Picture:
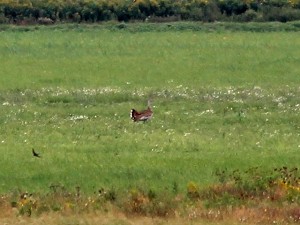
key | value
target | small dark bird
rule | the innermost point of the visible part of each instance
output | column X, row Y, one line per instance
column 142, row 115
column 35, row 154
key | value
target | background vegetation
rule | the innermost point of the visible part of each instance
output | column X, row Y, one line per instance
column 50, row 11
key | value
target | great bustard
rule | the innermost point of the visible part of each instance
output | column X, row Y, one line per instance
column 144, row 115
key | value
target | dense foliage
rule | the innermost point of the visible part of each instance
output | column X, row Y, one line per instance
column 51, row 11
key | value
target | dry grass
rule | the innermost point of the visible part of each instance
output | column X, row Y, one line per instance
column 249, row 215
column 196, row 215
column 249, row 197
column 186, row 213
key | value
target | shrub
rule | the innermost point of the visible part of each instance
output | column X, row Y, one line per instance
column 254, row 184
column 193, row 190
column 3, row 18
column 231, row 7
column 283, row 14
column 249, row 15
column 103, row 10
column 211, row 12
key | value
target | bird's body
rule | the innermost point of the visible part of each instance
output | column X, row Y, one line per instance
column 144, row 115
column 35, row 154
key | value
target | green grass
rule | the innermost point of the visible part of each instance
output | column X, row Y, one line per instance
column 221, row 100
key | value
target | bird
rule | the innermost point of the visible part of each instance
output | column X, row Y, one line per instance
column 35, row 154
column 144, row 115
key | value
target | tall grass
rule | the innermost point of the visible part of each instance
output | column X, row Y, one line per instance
column 221, row 100
column 98, row 57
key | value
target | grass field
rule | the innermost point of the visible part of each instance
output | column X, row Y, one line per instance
column 221, row 100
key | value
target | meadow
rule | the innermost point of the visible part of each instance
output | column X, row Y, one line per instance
column 222, row 100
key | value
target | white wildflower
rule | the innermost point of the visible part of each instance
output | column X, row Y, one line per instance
column 80, row 117
column 186, row 134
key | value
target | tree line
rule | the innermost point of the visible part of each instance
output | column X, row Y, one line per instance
column 91, row 11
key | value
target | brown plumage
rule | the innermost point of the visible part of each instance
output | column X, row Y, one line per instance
column 144, row 115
